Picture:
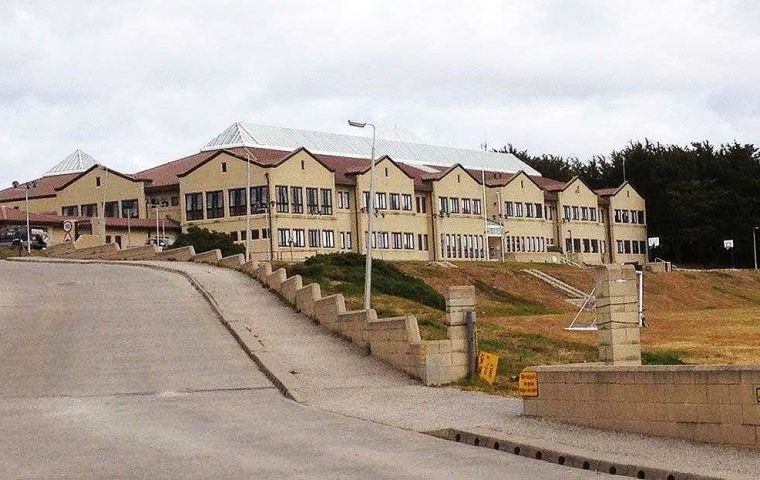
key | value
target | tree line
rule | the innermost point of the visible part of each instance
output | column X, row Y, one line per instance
column 697, row 195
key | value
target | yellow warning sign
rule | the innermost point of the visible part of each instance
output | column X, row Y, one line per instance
column 528, row 384
column 487, row 363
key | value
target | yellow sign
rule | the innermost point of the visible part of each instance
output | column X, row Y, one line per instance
column 528, row 384
column 487, row 363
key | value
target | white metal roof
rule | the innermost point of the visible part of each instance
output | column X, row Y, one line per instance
column 247, row 134
column 74, row 163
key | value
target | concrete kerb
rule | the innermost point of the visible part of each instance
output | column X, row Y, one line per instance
column 272, row 367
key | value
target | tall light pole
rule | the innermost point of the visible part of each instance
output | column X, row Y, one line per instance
column 157, row 205
column 249, row 202
column 370, row 215
column 27, row 186
column 754, row 244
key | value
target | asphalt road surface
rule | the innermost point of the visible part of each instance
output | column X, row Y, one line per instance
column 124, row 372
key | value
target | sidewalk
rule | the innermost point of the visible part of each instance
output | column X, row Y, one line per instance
column 329, row 373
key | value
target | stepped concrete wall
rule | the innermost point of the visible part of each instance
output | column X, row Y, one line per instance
column 145, row 252
column 233, row 261
column 181, row 254
column 212, row 257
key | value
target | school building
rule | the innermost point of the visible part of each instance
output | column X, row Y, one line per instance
column 309, row 193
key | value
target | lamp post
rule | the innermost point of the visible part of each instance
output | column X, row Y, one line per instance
column 129, row 227
column 370, row 214
column 754, row 244
column 157, row 205
column 27, row 186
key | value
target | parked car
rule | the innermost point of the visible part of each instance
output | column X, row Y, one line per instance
column 14, row 237
column 163, row 242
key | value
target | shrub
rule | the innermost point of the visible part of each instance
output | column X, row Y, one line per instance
column 344, row 272
column 203, row 240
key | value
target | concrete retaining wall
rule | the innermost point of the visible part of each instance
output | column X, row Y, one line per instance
column 60, row 249
column 98, row 251
column 145, row 252
column 212, row 257
column 233, row 261
column 706, row 403
column 181, row 254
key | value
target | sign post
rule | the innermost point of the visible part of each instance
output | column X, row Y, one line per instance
column 68, row 229
column 729, row 245
column 487, row 365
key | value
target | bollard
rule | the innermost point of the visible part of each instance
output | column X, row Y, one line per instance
column 472, row 345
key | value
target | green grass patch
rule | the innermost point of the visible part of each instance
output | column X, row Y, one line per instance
column 344, row 273
column 664, row 357
column 507, row 303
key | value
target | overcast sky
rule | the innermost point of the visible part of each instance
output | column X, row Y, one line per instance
column 138, row 83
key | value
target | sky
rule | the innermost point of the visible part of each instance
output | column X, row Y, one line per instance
column 138, row 83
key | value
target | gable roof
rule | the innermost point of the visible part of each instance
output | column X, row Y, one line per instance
column 131, row 178
column 609, row 192
column 443, row 173
column 77, row 162
column 43, row 187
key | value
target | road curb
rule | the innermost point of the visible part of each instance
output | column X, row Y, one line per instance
column 272, row 368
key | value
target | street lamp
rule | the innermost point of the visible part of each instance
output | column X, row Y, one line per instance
column 754, row 244
column 157, row 205
column 27, row 186
column 370, row 215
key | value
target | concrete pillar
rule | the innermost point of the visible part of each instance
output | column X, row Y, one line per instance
column 98, row 229
column 617, row 315
column 459, row 300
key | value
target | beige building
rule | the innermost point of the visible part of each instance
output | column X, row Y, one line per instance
column 309, row 193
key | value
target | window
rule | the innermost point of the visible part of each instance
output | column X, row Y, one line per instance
column 509, row 208
column 283, row 237
column 635, row 247
column 444, row 205
column 242, row 235
column 641, row 220
column 132, row 207
column 383, row 239
column 175, row 201
column 476, row 208
column 296, row 194
column 518, row 209
column 539, row 209
column 396, row 236
column 259, row 199
column 575, row 213
column 328, row 238
column 72, row 211
column 466, row 206
column 592, row 211
column 314, row 238
column 406, row 202
column 566, row 213
column 237, row 201
column 576, row 245
column 255, row 234
column 381, row 201
column 619, row 246
column 97, row 184
column 627, row 246
column 345, row 240
column 642, row 247
column 90, row 210
column 634, row 216
column 344, row 200
column 395, row 201
column 224, row 167
column 298, row 237
column 112, row 209
column 408, row 241
column 327, row 205
column 194, row 206
column 586, row 245
column 528, row 210
column 281, row 198
column 618, row 216
column 422, row 242
column 584, row 213
column 421, row 204
column 625, row 216
column 454, row 205
column 264, row 233
column 312, row 200
column 214, row 204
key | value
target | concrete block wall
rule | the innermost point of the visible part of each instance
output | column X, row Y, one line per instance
column 705, row 403
column 395, row 340
column 233, row 261
column 96, row 252
column 60, row 249
column 145, row 252
column 212, row 257
column 617, row 315
column 181, row 254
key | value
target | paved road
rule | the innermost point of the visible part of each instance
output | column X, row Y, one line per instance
column 124, row 372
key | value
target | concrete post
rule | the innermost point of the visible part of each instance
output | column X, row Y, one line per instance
column 617, row 315
column 459, row 301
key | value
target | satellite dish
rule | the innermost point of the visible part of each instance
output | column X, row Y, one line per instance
column 15, row 184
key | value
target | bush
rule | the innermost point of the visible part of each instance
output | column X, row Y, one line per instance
column 203, row 240
column 344, row 273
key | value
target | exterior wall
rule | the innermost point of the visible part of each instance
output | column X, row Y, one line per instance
column 578, row 196
column 391, row 180
column 303, row 170
column 36, row 205
column 459, row 184
column 627, row 199
column 170, row 197
column 526, row 238
column 113, row 188
column 210, row 177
